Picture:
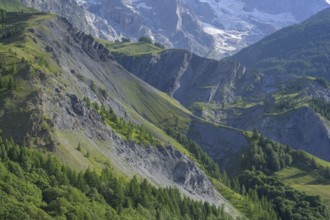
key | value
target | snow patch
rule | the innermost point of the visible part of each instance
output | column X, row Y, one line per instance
column 226, row 41
column 233, row 15
column 81, row 2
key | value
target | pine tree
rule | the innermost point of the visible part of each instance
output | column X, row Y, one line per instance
column 14, row 69
column 134, row 191
column 10, row 84
column 1, row 83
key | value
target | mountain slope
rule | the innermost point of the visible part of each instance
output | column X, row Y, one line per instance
column 302, row 49
column 227, row 92
column 53, row 69
column 35, row 186
column 77, row 15
column 62, row 93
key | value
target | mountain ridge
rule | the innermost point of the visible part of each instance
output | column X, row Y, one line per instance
column 208, row 28
column 57, row 120
column 303, row 48
column 63, row 93
column 229, row 93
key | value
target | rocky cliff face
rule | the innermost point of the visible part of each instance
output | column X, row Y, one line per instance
column 77, row 15
column 301, row 128
column 190, row 78
column 164, row 166
column 228, row 93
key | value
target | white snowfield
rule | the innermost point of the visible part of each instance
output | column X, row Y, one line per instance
column 238, row 24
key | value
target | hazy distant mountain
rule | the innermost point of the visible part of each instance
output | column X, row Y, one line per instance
column 212, row 28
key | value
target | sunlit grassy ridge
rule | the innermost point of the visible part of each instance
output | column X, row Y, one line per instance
column 131, row 49
column 307, row 180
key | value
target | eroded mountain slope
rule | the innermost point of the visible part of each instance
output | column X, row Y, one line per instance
column 59, row 67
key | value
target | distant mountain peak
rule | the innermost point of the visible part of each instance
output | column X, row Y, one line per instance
column 209, row 28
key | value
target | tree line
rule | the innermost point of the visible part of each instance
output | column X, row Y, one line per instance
column 8, row 83
column 264, row 158
column 33, row 185
column 287, row 202
column 266, row 155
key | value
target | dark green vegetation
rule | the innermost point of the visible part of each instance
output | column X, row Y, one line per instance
column 300, row 49
column 7, row 83
column 288, row 202
column 35, row 186
column 266, row 155
column 246, row 202
column 9, row 68
column 264, row 158
column 41, row 185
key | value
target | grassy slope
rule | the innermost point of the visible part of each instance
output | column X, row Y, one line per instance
column 309, row 180
column 148, row 106
column 13, row 103
column 154, row 106
column 131, row 49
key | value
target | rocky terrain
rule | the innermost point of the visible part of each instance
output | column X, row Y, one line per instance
column 164, row 166
column 95, row 125
column 77, row 15
column 206, row 27
column 56, row 117
column 229, row 93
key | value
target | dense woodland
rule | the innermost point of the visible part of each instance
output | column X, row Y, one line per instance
column 288, row 203
column 35, row 186
column 266, row 157
column 7, row 76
